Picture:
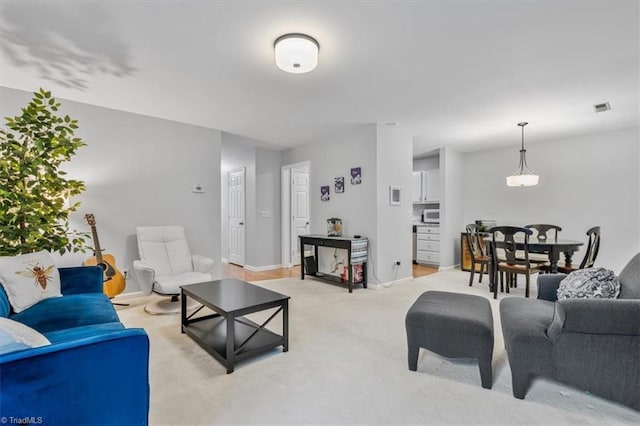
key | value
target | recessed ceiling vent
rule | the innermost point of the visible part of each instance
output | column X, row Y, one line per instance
column 602, row 107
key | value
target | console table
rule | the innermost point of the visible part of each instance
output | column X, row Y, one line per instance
column 357, row 253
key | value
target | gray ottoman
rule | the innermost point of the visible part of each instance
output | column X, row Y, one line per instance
column 452, row 325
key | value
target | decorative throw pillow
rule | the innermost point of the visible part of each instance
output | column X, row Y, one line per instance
column 589, row 283
column 29, row 278
column 15, row 336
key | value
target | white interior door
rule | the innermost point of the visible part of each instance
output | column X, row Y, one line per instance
column 236, row 217
column 299, row 210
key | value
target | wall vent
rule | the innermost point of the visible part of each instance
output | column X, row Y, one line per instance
column 602, row 107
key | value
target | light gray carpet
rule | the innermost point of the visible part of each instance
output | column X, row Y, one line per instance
column 347, row 365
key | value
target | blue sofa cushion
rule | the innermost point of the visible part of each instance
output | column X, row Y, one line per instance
column 76, row 333
column 81, row 279
column 5, row 307
column 71, row 311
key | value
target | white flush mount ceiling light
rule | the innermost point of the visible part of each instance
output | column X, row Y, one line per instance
column 522, row 176
column 296, row 53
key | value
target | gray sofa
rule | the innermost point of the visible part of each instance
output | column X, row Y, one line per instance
column 590, row 344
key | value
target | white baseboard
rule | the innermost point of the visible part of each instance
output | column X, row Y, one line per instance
column 388, row 284
column 449, row 268
column 261, row 268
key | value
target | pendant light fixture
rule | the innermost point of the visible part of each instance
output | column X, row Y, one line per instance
column 522, row 176
column 296, row 53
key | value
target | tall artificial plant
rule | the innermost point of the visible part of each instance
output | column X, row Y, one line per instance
column 34, row 192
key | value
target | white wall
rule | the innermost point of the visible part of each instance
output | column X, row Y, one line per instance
column 451, row 207
column 426, row 163
column 139, row 171
column 584, row 181
column 395, row 239
column 264, row 249
column 384, row 154
column 334, row 157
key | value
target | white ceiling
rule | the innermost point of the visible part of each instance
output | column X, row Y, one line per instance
column 459, row 73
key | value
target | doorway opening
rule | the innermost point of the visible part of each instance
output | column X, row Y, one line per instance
column 295, row 210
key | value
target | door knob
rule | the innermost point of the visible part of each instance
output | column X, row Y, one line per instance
column 307, row 223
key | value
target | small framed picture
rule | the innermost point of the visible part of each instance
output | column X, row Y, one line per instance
column 324, row 193
column 339, row 184
column 394, row 195
column 356, row 176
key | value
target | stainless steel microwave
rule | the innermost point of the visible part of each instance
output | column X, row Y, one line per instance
column 431, row 216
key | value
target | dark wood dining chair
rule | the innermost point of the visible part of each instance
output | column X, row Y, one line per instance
column 510, row 255
column 543, row 232
column 593, row 246
column 476, row 252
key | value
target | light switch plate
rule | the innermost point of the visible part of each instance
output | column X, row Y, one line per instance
column 265, row 213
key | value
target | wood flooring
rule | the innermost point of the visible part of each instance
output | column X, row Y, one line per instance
column 230, row 270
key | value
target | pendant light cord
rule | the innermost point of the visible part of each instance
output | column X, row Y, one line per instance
column 524, row 123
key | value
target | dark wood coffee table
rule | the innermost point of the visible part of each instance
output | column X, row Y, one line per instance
column 227, row 335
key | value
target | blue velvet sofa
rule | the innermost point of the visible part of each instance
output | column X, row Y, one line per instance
column 94, row 372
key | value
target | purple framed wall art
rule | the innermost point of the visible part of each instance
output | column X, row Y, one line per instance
column 356, row 176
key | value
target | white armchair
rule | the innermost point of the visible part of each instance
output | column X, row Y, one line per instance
column 165, row 264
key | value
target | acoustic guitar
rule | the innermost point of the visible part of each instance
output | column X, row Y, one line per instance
column 114, row 282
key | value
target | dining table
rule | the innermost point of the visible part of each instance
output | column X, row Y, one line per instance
column 551, row 246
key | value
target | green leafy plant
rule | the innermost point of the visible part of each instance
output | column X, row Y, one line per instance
column 34, row 192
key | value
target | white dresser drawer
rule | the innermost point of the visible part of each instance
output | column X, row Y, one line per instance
column 428, row 237
column 423, row 256
column 428, row 230
column 429, row 245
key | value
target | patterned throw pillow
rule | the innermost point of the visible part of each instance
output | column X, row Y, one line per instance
column 29, row 278
column 589, row 283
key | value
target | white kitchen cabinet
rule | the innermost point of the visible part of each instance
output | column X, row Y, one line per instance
column 417, row 187
column 426, row 186
column 428, row 244
column 432, row 186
